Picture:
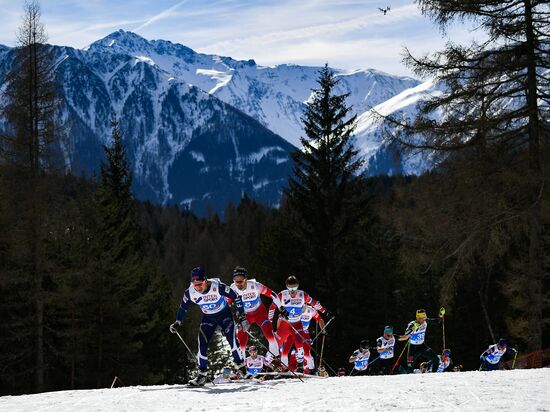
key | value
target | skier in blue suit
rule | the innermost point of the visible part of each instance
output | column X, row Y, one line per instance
column 490, row 359
column 211, row 296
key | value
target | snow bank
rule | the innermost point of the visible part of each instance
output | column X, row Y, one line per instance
column 518, row 390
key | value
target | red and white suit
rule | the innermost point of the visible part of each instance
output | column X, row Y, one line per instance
column 256, row 312
column 308, row 314
column 290, row 331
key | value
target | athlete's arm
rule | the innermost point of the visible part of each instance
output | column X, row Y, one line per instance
column 184, row 305
column 486, row 351
column 319, row 320
column 272, row 308
column 227, row 292
column 312, row 302
column 264, row 290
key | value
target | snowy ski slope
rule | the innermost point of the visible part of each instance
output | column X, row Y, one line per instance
column 518, row 390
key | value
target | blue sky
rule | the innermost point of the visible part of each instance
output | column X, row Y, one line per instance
column 347, row 34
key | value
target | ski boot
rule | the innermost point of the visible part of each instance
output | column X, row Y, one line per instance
column 241, row 370
column 276, row 363
column 199, row 380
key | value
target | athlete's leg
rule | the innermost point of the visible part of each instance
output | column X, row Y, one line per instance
column 206, row 330
column 288, row 342
column 267, row 329
column 415, row 352
column 431, row 355
column 228, row 329
column 386, row 365
column 242, row 336
column 424, row 352
column 298, row 330
column 259, row 316
column 309, row 363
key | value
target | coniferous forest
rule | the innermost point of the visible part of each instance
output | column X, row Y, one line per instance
column 91, row 278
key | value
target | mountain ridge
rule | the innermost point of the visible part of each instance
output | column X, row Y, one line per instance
column 189, row 117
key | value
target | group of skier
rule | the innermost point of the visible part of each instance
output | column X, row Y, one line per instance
column 415, row 335
column 291, row 311
column 285, row 326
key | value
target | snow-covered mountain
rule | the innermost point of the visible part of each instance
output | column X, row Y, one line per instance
column 382, row 156
column 275, row 96
column 200, row 129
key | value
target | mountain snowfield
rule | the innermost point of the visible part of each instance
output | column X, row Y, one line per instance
column 275, row 96
column 517, row 390
column 202, row 130
column 373, row 145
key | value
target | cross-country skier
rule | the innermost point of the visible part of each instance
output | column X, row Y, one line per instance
column 360, row 358
column 445, row 361
column 254, row 363
column 385, row 347
column 416, row 333
column 308, row 314
column 250, row 291
column 290, row 331
column 210, row 295
column 490, row 359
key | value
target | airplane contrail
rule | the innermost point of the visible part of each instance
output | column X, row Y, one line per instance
column 163, row 14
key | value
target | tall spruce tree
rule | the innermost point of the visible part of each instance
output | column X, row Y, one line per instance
column 121, row 279
column 30, row 110
column 325, row 191
column 496, row 122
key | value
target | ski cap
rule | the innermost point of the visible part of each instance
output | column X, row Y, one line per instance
column 252, row 348
column 388, row 330
column 364, row 344
column 292, row 283
column 446, row 352
column 421, row 314
column 198, row 274
column 240, row 271
column 502, row 342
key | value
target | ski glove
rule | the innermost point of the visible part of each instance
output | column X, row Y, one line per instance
column 174, row 326
column 284, row 313
column 328, row 315
column 243, row 323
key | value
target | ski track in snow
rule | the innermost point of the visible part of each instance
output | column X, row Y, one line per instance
column 518, row 390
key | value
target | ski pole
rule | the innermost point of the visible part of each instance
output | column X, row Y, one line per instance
column 187, row 347
column 322, row 350
column 399, row 358
column 374, row 360
column 442, row 316
column 514, row 362
column 322, row 330
column 311, row 349
column 255, row 339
